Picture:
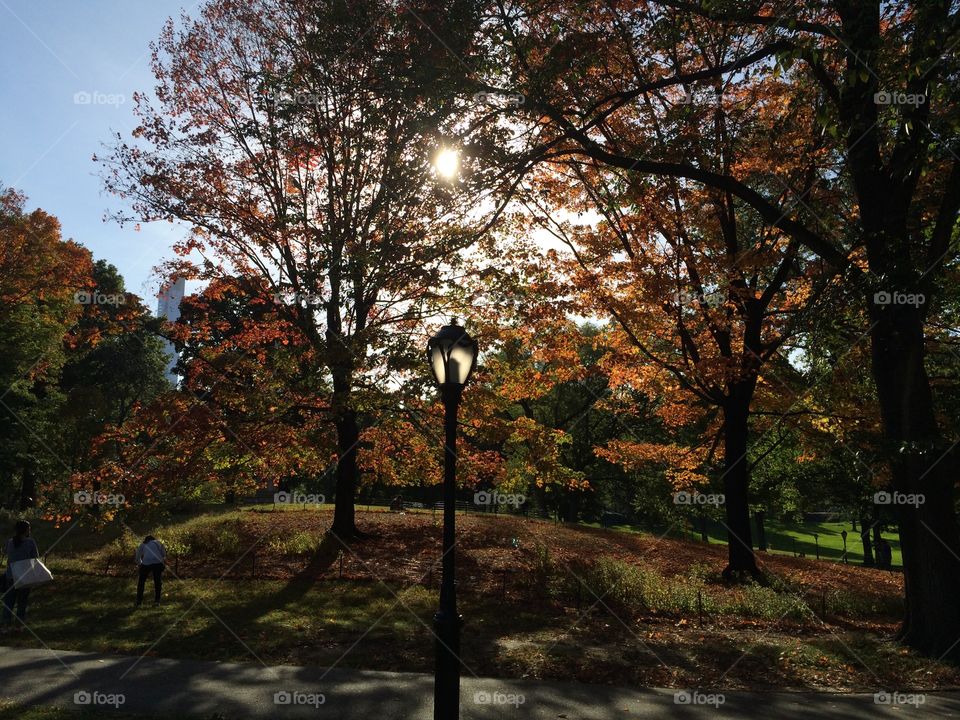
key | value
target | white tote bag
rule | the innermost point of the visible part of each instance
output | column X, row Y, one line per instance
column 29, row 573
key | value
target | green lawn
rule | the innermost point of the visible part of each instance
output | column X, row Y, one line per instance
column 206, row 619
column 791, row 539
column 532, row 606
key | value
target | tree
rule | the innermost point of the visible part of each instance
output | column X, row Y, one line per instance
column 115, row 362
column 697, row 284
column 885, row 78
column 40, row 274
column 296, row 139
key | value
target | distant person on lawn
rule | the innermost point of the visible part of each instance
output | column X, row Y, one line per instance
column 150, row 557
column 20, row 547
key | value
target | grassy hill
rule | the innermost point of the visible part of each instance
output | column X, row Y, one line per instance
column 539, row 600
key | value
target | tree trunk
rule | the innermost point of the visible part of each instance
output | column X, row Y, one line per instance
column 344, row 511
column 28, row 489
column 348, row 437
column 921, row 466
column 761, row 530
column 735, row 483
column 867, row 545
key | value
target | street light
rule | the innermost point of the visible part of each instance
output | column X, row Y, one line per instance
column 452, row 355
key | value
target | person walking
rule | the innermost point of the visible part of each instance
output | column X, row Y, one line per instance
column 150, row 557
column 20, row 547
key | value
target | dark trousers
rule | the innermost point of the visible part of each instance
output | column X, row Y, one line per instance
column 11, row 597
column 145, row 570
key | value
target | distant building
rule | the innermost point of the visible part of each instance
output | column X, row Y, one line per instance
column 168, row 308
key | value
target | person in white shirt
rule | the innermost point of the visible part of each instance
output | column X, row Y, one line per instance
column 150, row 557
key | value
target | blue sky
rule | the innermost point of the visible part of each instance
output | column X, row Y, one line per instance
column 68, row 69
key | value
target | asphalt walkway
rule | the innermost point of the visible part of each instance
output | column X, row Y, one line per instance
column 188, row 688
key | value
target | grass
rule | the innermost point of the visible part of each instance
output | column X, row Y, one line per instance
column 795, row 539
column 207, row 619
column 13, row 711
column 540, row 600
column 782, row 536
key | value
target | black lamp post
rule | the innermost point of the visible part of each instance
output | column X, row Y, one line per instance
column 452, row 355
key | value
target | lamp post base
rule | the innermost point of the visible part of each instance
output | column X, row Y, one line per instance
column 446, row 689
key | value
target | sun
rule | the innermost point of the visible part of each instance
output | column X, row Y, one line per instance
column 447, row 163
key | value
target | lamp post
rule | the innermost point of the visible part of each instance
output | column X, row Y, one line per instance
column 452, row 355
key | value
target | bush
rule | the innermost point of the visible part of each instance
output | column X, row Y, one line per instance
column 754, row 600
column 617, row 584
column 122, row 549
column 635, row 589
column 301, row 543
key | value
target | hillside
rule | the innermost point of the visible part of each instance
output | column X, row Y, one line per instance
column 539, row 600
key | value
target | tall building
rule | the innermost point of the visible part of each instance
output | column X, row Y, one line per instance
column 168, row 308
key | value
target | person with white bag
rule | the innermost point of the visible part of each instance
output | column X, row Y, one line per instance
column 23, row 571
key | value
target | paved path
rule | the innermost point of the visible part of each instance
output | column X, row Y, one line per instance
column 172, row 688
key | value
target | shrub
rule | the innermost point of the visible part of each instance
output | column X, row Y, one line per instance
column 754, row 600
column 301, row 543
